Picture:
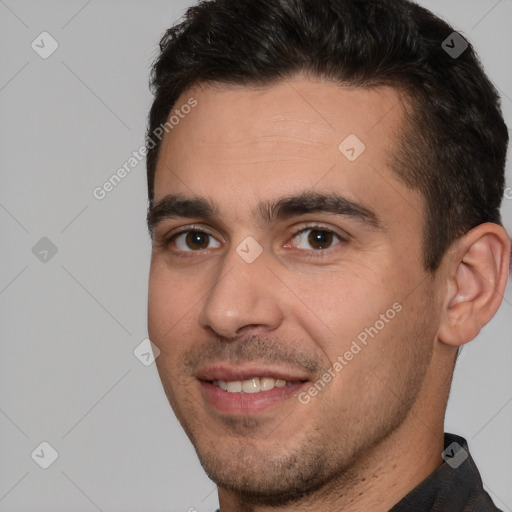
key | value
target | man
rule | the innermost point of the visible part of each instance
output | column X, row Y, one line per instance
column 325, row 178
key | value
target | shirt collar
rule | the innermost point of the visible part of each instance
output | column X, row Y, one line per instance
column 455, row 486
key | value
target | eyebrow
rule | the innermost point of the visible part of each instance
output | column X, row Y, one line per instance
column 266, row 212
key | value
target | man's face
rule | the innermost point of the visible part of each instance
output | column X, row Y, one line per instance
column 254, row 299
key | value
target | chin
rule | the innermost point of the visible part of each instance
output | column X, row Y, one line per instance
column 268, row 475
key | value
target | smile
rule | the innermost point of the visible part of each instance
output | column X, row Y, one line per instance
column 252, row 385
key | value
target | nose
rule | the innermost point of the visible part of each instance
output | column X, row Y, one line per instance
column 242, row 296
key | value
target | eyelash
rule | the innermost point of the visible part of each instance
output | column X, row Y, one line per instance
column 318, row 253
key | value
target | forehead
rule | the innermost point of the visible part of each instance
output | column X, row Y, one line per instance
column 244, row 144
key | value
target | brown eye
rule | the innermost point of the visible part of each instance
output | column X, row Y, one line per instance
column 196, row 240
column 315, row 238
column 320, row 239
column 192, row 241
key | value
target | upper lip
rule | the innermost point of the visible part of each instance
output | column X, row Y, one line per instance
column 230, row 372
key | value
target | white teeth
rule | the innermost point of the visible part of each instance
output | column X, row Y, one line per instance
column 254, row 385
column 251, row 385
column 234, row 386
column 267, row 383
column 222, row 385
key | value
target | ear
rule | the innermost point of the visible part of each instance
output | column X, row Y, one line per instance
column 477, row 270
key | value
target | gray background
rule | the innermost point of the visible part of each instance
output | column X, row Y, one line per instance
column 69, row 325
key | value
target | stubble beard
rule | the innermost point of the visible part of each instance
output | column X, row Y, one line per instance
column 318, row 465
column 324, row 461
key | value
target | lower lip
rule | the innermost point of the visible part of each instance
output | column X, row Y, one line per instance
column 247, row 403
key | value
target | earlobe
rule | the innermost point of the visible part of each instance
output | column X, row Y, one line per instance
column 478, row 271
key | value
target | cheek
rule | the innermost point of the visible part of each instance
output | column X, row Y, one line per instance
column 158, row 307
column 338, row 306
column 166, row 306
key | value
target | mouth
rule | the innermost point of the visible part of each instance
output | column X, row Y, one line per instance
column 247, row 392
column 252, row 385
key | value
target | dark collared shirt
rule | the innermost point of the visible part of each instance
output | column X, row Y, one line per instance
column 455, row 486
